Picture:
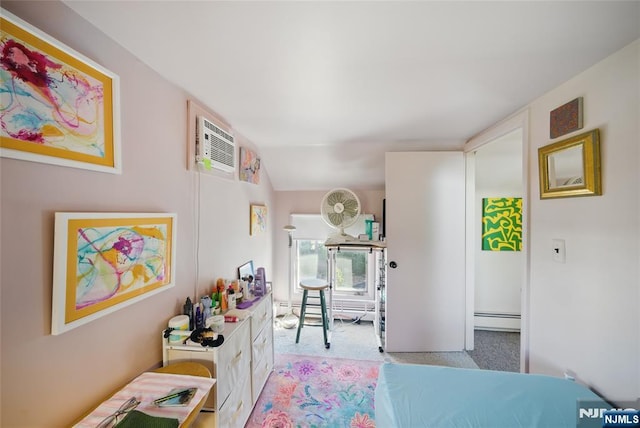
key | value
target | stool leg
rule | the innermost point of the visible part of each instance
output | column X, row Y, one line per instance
column 302, row 310
column 325, row 321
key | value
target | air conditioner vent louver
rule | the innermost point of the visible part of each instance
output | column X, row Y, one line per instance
column 217, row 130
column 215, row 146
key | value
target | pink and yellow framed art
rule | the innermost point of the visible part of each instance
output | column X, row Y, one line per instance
column 58, row 106
column 106, row 261
column 249, row 166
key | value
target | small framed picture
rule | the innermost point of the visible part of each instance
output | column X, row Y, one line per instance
column 258, row 222
column 566, row 118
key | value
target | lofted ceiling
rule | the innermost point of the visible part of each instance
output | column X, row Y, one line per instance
column 323, row 89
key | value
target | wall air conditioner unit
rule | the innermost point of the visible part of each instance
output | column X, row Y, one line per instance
column 215, row 146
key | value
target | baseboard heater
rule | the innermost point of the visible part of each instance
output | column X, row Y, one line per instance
column 348, row 308
column 496, row 321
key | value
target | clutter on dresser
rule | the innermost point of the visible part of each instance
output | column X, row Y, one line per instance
column 240, row 361
column 179, row 323
column 260, row 287
column 206, row 337
column 202, row 321
column 216, row 323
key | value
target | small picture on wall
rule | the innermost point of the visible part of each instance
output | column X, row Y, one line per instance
column 502, row 224
column 258, row 219
column 249, row 166
column 566, row 118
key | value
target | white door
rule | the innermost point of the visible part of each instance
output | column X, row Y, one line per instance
column 425, row 232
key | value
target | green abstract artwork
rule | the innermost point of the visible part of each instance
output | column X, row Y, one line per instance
column 502, row 224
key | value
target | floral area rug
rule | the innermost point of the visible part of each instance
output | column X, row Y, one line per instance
column 314, row 392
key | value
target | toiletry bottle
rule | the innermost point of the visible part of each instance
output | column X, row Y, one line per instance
column 232, row 298
column 188, row 311
column 206, row 312
column 206, row 307
column 246, row 295
column 223, row 301
column 214, row 297
column 215, row 302
column 199, row 321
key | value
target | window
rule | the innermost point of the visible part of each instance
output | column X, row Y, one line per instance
column 352, row 267
column 354, row 277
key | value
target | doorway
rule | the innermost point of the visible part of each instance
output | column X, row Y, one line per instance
column 497, row 266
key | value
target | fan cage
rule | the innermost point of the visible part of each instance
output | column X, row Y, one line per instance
column 340, row 208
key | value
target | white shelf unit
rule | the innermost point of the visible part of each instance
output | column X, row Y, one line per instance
column 380, row 249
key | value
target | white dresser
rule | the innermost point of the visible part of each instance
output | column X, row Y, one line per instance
column 241, row 365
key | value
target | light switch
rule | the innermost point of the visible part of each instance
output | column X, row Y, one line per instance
column 559, row 252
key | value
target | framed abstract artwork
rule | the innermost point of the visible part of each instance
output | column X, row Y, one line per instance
column 106, row 261
column 58, row 106
column 258, row 223
column 502, row 224
column 249, row 166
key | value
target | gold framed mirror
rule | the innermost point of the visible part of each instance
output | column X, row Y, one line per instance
column 571, row 167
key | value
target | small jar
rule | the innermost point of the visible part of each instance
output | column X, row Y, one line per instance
column 216, row 323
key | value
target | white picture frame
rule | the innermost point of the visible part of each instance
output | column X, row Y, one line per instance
column 63, row 109
column 106, row 261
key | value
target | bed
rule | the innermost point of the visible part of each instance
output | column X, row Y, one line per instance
column 409, row 396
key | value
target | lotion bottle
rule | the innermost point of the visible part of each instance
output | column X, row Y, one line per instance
column 188, row 311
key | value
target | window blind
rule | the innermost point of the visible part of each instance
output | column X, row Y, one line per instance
column 313, row 227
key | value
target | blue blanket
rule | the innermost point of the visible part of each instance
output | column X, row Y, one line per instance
column 409, row 396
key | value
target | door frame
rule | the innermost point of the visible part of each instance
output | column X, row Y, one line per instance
column 519, row 120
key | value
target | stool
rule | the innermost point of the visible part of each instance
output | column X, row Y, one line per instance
column 320, row 286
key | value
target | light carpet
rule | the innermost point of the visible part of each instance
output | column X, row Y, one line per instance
column 308, row 392
column 358, row 341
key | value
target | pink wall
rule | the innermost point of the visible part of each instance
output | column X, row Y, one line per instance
column 63, row 376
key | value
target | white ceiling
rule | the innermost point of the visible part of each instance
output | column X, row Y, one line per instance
column 325, row 88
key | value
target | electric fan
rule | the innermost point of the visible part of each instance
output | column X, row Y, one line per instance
column 340, row 209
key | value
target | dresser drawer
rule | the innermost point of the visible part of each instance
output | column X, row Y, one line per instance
column 234, row 362
column 262, row 315
column 263, row 344
column 263, row 365
column 236, row 409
